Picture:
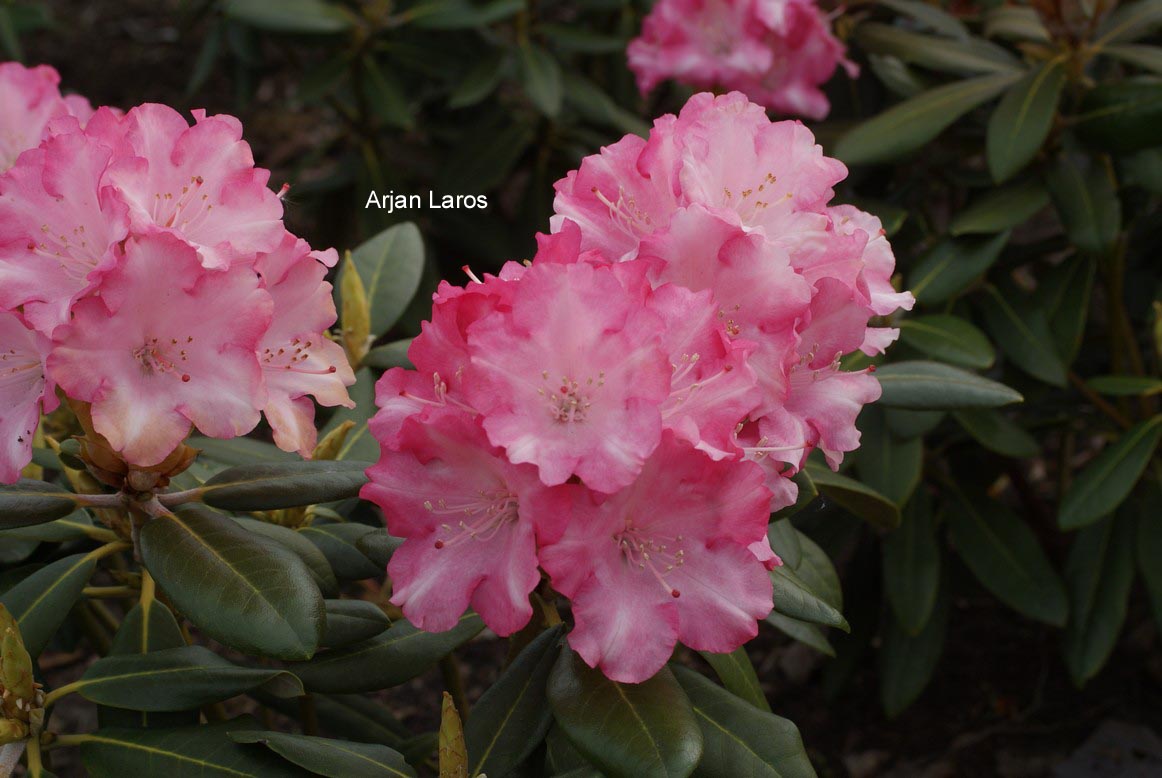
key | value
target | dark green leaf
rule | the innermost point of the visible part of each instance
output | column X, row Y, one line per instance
column 541, row 76
column 807, row 634
column 1144, row 57
column 628, row 730
column 273, row 486
column 952, row 265
column 299, row 546
column 1022, row 120
column 338, row 543
column 1126, row 385
column 148, row 626
column 889, row 465
column 9, row 40
column 1099, row 573
column 240, row 451
column 391, row 265
column 41, row 602
column 387, row 660
column 932, row 17
column 462, row 14
column 1022, row 332
column 1087, row 203
column 1129, row 22
column 1064, row 292
column 76, row 526
column 387, row 356
column 805, row 495
column 1107, row 480
column 290, row 16
column 513, row 716
column 948, row 338
column 1123, row 116
column 912, row 424
column 897, row 76
column 331, row 758
column 933, row 386
column 597, row 107
column 967, row 57
column 997, row 433
column 907, row 662
column 386, row 96
column 1149, row 546
column 737, row 674
column 378, row 547
column 28, row 502
column 253, row 596
column 786, row 541
column 912, row 565
column 1001, row 209
column 854, row 497
column 576, row 38
column 480, row 82
column 359, row 443
column 1015, row 22
column 486, row 158
column 350, row 621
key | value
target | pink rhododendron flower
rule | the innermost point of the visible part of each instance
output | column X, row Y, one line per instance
column 777, row 52
column 29, row 101
column 199, row 182
column 466, row 512
column 166, row 344
column 298, row 360
column 662, row 561
column 25, row 391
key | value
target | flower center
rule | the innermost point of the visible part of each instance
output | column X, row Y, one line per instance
column 749, row 203
column 184, row 210
column 19, row 368
column 657, row 554
column 481, row 518
column 70, row 249
column 570, row 400
column 295, row 357
column 633, row 221
column 161, row 357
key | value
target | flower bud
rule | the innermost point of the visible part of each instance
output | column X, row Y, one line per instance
column 21, row 701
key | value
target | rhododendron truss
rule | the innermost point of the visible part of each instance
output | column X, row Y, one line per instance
column 626, row 410
column 146, row 271
column 777, row 52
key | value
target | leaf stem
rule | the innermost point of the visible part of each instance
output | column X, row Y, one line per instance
column 62, row 691
column 109, row 591
column 171, row 499
column 1098, row 401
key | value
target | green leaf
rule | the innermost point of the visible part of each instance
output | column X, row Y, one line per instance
column 889, row 465
column 997, row 433
column 1087, row 203
column 148, row 626
column 1023, row 118
column 909, row 125
column 1023, row 335
column 1107, row 480
column 907, row 662
column 933, row 386
column 41, row 602
column 737, row 674
column 1016, row 23
column 480, row 82
column 805, row 495
column 290, row 16
column 462, row 14
column 350, row 621
column 807, row 634
column 795, row 598
column 332, row 758
column 485, row 158
column 912, row 424
column 786, row 541
column 1126, row 385
column 76, row 526
column 948, row 338
column 1064, row 292
column 180, row 752
column 359, row 443
column 28, row 502
column 739, row 739
column 338, row 543
column 932, row 17
column 252, row 596
column 391, row 265
column 513, row 716
column 181, row 678
column 897, row 76
column 386, row 97
column 967, row 57
column 1004, row 555
column 856, row 498
column 571, row 38
column 912, row 565
column 541, row 76
column 1145, row 57
column 9, row 40
column 1099, row 573
column 272, row 486
column 387, row 660
column 299, row 546
column 378, row 547
column 597, row 107
column 628, row 730
column 1149, row 546
column 1122, row 117
column 951, row 265
column 1129, row 22
column 240, row 451
column 1001, row 209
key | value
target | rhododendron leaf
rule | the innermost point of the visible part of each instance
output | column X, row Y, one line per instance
column 386, row 95
column 907, row 662
column 350, row 621
column 856, row 498
column 541, row 76
column 911, row 562
column 1087, row 204
column 8, row 37
column 951, row 265
column 737, row 674
column 600, row 108
column 1099, row 573
column 1149, row 545
column 273, row 486
column 378, row 547
column 1145, row 57
column 41, row 602
column 794, row 598
column 1001, row 209
column 480, row 81
column 180, row 752
column 312, row 557
column 1121, row 117
column 1107, row 480
column 963, row 57
column 76, row 526
column 359, row 443
column 391, row 265
column 785, row 540
column 352, row 716
column 1017, row 23
column 1125, row 385
column 389, row 355
column 338, row 542
column 462, row 14
column 933, row 386
column 888, row 464
column 931, row 17
column 740, row 739
column 387, row 660
column 643, row 730
column 252, row 595
column 998, row 433
column 1129, row 22
column 1021, row 122
column 290, row 16
column 1004, row 554
column 182, row 678
column 807, row 634
column 949, row 339
column 1064, row 293
column 332, row 758
column 1022, row 332
column 909, row 125
column 912, row 424
column 28, row 502
column 513, row 716
column 239, row 451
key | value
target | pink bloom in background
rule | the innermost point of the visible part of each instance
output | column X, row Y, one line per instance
column 776, row 52
column 29, row 101
column 25, row 391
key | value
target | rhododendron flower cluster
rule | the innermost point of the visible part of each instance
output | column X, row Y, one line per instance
column 145, row 271
column 777, row 52
column 621, row 415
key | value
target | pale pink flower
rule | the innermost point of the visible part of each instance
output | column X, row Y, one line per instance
column 466, row 514
column 198, row 182
column 163, row 345
column 662, row 561
column 571, row 379
column 25, row 390
column 29, row 100
column 298, row 360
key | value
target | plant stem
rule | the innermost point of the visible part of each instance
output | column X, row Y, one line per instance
column 61, row 691
column 9, row 757
column 170, row 499
column 35, row 764
column 1098, row 401
column 109, row 591
column 309, row 714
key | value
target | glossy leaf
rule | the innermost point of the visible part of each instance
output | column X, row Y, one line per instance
column 738, row 675
column 513, row 716
column 240, row 451
column 1000, row 209
column 391, row 265
column 76, row 526
column 889, row 465
column 299, row 546
column 739, row 739
column 1099, row 573
column 1064, row 293
column 948, row 338
column 350, row 621
column 148, row 626
column 643, row 730
column 1022, row 120
column 41, row 602
column 541, row 77
column 968, row 57
column 1004, row 555
column 387, row 660
column 1087, row 204
column 300, row 17
column 332, row 758
column 272, row 486
column 933, row 386
column 952, row 265
column 338, row 543
column 1107, row 480
column 854, row 497
column 807, row 634
column 786, row 541
column 378, row 547
column 253, row 596
column 907, row 662
column 28, row 502
column 389, row 355
column 1022, row 332
column 794, row 597
column 997, row 433
column 911, row 565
